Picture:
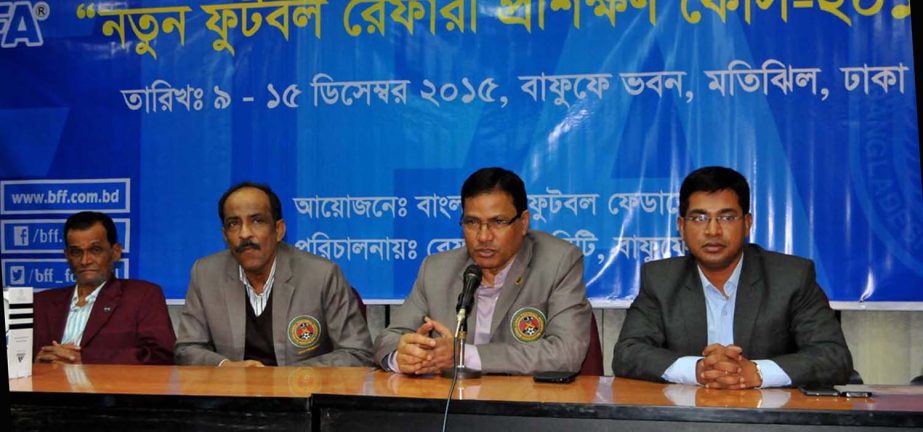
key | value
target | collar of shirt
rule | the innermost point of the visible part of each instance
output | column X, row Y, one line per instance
column 258, row 301
column 730, row 287
column 500, row 278
column 78, row 316
column 91, row 298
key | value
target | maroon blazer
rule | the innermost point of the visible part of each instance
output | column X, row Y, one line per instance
column 129, row 323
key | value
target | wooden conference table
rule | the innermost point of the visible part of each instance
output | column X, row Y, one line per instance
column 129, row 398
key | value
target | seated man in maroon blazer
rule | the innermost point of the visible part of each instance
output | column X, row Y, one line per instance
column 101, row 319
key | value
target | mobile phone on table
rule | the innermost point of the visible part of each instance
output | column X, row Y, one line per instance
column 819, row 390
column 554, row 377
column 854, row 391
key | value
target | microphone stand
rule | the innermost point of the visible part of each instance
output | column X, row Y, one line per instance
column 461, row 330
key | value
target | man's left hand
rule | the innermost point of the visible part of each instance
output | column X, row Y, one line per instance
column 750, row 374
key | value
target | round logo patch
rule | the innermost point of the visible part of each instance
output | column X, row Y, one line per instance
column 304, row 332
column 528, row 324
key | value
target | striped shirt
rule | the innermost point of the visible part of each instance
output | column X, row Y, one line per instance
column 78, row 316
column 258, row 301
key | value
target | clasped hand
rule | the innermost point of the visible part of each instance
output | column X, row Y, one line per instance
column 59, row 353
column 725, row 367
column 419, row 354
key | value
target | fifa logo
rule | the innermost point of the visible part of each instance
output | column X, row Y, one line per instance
column 19, row 23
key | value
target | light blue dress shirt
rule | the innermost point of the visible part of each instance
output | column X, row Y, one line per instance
column 720, row 318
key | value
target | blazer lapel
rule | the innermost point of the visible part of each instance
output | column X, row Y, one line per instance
column 512, row 287
column 692, row 302
column 103, row 308
column 282, row 292
column 750, row 290
column 235, row 300
column 61, row 307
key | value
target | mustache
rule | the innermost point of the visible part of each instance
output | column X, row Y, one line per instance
column 246, row 244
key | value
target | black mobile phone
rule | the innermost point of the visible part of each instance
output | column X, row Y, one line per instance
column 819, row 391
column 554, row 377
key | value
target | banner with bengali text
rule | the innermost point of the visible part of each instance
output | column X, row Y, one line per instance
column 367, row 115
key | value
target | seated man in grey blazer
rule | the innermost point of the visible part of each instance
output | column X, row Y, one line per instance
column 729, row 314
column 263, row 302
column 530, row 312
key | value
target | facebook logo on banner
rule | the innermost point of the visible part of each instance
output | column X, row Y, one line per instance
column 21, row 236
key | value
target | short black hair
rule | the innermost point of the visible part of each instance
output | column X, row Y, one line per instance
column 714, row 179
column 487, row 180
column 274, row 204
column 86, row 219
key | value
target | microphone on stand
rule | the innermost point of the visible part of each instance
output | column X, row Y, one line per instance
column 471, row 280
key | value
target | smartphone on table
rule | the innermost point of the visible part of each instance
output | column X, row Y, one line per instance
column 819, row 390
column 554, row 377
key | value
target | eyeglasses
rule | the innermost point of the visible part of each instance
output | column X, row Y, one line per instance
column 704, row 219
column 496, row 224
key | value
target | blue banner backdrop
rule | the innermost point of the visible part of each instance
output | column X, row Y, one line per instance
column 367, row 115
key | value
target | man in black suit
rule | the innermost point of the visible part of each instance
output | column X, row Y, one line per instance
column 729, row 314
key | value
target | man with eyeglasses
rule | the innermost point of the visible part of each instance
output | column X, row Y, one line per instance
column 530, row 312
column 263, row 302
column 100, row 319
column 729, row 315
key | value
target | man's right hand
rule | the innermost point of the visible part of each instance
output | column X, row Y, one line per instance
column 59, row 353
column 242, row 363
column 414, row 350
column 440, row 354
